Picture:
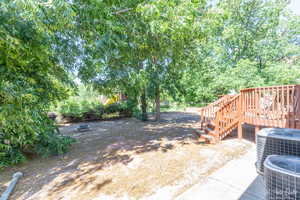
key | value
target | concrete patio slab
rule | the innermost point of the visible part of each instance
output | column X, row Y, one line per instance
column 237, row 180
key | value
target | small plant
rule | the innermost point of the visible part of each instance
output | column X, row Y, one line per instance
column 53, row 144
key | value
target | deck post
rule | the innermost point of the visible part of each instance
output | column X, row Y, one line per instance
column 257, row 128
column 240, row 130
column 239, row 109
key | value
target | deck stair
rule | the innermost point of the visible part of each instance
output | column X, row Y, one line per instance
column 276, row 106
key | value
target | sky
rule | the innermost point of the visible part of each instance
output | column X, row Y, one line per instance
column 295, row 6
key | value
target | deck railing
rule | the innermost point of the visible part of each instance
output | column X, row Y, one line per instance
column 276, row 106
column 227, row 117
column 208, row 113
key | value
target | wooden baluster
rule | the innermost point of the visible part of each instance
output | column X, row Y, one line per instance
column 292, row 107
column 240, row 128
column 287, row 110
column 255, row 107
column 257, row 114
column 216, row 121
column 250, row 106
column 265, row 110
column 296, row 106
column 275, row 100
column 264, row 100
column 279, row 107
column 247, row 104
column 271, row 114
column 282, row 108
column 242, row 100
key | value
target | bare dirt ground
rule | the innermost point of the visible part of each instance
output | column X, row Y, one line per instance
column 125, row 159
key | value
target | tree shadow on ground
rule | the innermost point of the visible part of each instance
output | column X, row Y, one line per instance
column 107, row 144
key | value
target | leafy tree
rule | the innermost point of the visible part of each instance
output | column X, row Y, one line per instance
column 33, row 73
column 251, row 43
column 140, row 46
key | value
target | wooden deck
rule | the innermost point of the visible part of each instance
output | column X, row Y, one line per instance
column 276, row 106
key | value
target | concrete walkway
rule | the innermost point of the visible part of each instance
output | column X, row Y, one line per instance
column 237, row 180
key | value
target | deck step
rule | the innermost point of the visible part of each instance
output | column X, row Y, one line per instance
column 210, row 131
column 207, row 130
column 208, row 138
column 203, row 137
column 211, row 125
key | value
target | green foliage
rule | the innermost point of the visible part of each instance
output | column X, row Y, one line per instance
column 244, row 75
column 249, row 43
column 78, row 108
column 174, row 107
column 52, row 143
column 191, row 51
column 85, row 106
column 10, row 156
column 124, row 108
column 141, row 46
column 33, row 73
column 39, row 135
column 282, row 74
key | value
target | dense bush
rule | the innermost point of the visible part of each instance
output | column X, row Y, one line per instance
column 52, row 143
column 123, row 108
column 78, row 109
column 39, row 136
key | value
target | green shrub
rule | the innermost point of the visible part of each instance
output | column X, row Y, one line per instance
column 53, row 144
column 124, row 108
column 71, row 108
column 10, row 155
column 112, row 108
column 137, row 113
column 78, row 109
column 28, row 131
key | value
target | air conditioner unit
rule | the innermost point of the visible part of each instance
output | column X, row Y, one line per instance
column 282, row 177
column 276, row 141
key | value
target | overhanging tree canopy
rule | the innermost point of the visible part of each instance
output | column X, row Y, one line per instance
column 142, row 46
column 33, row 73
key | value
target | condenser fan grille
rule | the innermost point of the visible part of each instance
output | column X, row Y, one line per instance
column 276, row 141
column 282, row 177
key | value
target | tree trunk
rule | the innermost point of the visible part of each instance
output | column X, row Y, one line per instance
column 144, row 106
column 157, row 104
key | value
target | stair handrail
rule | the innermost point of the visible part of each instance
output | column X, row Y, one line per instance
column 221, row 125
column 208, row 112
column 273, row 106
